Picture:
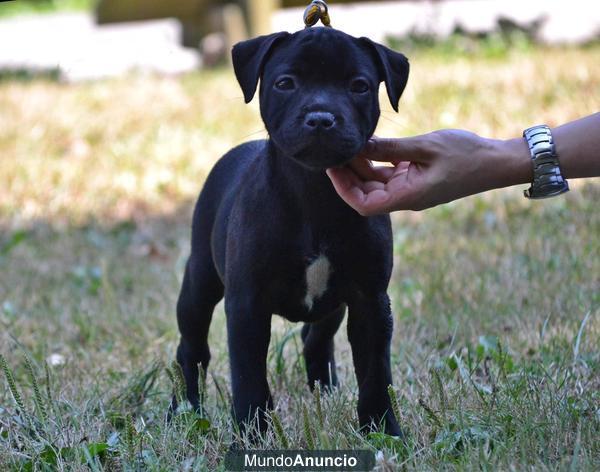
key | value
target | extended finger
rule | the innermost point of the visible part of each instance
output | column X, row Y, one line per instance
column 371, row 185
column 365, row 170
column 395, row 150
column 347, row 184
column 375, row 202
column 367, row 198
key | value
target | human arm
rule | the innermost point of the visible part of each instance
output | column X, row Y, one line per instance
column 446, row 165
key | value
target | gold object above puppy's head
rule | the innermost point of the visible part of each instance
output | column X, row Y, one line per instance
column 317, row 10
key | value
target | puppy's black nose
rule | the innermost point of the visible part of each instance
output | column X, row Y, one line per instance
column 319, row 120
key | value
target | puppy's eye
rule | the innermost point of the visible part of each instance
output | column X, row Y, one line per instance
column 359, row 86
column 285, row 83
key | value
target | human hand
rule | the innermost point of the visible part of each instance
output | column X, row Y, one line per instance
column 429, row 170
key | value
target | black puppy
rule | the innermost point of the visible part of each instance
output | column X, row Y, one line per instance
column 272, row 236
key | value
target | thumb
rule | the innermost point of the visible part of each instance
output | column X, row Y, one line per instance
column 395, row 150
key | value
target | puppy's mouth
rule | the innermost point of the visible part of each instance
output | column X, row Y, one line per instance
column 321, row 160
column 319, row 154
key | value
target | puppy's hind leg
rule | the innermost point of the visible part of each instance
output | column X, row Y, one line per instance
column 201, row 290
column 319, row 350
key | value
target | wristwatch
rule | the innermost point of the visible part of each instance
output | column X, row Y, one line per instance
column 548, row 180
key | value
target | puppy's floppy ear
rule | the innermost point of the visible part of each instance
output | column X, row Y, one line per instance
column 393, row 70
column 249, row 58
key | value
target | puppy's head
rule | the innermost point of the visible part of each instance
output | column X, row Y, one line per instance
column 319, row 90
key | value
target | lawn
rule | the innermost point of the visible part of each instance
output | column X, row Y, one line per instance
column 496, row 350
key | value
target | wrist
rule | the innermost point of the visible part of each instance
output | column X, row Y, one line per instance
column 512, row 163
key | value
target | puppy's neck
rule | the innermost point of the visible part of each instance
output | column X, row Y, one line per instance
column 312, row 189
column 295, row 174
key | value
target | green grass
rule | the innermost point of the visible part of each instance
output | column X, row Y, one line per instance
column 495, row 351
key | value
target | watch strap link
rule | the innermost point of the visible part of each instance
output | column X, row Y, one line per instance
column 548, row 180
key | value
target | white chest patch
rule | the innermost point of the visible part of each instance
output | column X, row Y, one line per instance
column 317, row 276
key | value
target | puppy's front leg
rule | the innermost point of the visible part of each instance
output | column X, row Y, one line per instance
column 370, row 328
column 249, row 333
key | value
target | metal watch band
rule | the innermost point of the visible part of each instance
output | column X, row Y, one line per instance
column 548, row 180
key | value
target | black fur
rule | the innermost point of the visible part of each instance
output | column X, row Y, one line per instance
column 267, row 210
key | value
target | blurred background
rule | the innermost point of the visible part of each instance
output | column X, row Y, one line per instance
column 82, row 39
column 112, row 112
